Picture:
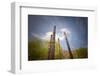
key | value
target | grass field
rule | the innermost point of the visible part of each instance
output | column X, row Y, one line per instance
column 38, row 50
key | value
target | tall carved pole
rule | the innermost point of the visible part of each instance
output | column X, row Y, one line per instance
column 69, row 49
column 51, row 48
column 53, row 42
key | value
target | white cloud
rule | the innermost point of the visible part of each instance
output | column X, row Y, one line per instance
column 49, row 33
column 65, row 30
column 47, row 36
column 60, row 36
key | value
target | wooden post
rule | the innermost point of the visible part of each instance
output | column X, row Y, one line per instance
column 53, row 43
column 51, row 48
column 69, row 49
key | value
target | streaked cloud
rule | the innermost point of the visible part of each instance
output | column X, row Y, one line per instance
column 35, row 35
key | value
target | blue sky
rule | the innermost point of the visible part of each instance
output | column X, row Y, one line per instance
column 75, row 27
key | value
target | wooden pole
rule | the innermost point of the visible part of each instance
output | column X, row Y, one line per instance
column 51, row 47
column 53, row 43
column 69, row 49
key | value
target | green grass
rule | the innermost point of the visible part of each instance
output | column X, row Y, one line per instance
column 38, row 50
